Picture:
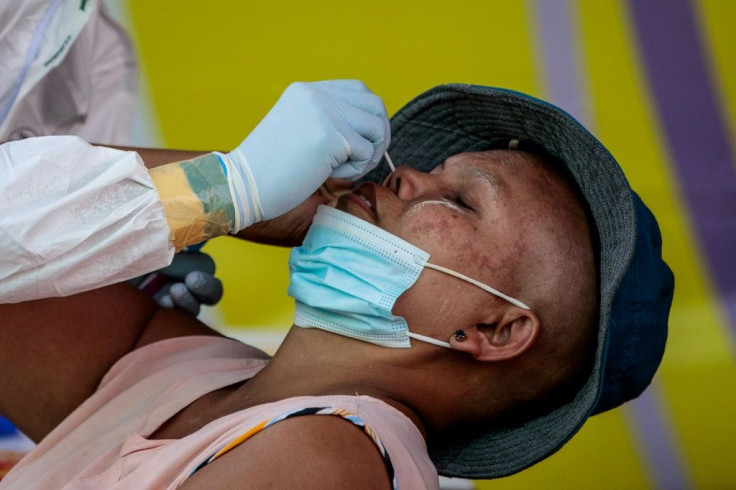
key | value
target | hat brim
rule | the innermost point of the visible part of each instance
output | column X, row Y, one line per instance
column 456, row 118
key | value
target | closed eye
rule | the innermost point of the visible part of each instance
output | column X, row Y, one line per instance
column 459, row 200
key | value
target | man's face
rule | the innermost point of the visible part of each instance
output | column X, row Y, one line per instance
column 468, row 213
column 497, row 216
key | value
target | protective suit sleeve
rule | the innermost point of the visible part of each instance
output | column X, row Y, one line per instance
column 75, row 217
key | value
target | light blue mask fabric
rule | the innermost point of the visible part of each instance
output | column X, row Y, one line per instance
column 348, row 273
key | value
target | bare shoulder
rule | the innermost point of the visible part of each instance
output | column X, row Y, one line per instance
column 313, row 451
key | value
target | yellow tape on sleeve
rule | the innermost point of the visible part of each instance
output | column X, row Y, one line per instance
column 196, row 199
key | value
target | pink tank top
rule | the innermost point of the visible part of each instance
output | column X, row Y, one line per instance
column 103, row 444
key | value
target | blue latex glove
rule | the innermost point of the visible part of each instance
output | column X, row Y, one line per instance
column 315, row 131
column 187, row 283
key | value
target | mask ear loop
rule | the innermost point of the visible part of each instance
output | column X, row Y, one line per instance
column 484, row 287
column 428, row 340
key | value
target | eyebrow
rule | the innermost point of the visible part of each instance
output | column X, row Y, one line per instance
column 484, row 175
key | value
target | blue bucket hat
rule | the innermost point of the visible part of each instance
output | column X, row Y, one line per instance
column 635, row 285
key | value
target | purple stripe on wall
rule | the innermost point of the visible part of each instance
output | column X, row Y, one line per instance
column 561, row 53
column 655, row 437
column 696, row 133
column 559, row 41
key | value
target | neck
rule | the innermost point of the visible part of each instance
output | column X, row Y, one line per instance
column 312, row 362
column 436, row 388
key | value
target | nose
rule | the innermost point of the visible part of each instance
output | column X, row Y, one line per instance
column 408, row 183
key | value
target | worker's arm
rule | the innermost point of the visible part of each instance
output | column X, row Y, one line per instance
column 287, row 230
column 76, row 217
column 307, row 452
column 55, row 351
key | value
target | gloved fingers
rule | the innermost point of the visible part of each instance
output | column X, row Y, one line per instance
column 184, row 299
column 366, row 136
column 165, row 300
column 315, row 130
column 352, row 172
column 206, row 288
column 186, row 262
column 198, row 288
column 366, row 101
column 347, row 84
column 369, row 126
column 360, row 152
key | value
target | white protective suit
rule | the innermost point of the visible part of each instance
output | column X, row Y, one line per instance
column 73, row 217
column 65, row 68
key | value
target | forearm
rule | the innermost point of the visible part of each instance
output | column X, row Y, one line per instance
column 155, row 157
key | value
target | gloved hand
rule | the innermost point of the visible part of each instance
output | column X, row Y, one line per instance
column 197, row 289
column 187, row 283
column 315, row 131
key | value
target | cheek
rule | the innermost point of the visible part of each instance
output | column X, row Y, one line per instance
column 439, row 304
column 433, row 303
column 439, row 234
column 453, row 242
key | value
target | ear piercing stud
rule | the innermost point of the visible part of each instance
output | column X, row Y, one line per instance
column 460, row 335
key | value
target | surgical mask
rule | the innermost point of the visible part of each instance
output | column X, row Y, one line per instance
column 348, row 274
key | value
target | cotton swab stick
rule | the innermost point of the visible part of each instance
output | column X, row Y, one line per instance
column 390, row 163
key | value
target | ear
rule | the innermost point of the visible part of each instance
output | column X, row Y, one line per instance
column 512, row 334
